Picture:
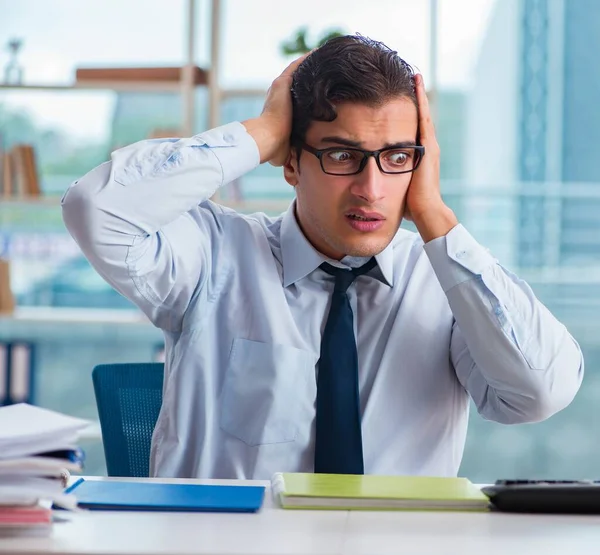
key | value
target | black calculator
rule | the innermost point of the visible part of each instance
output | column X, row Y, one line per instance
column 545, row 496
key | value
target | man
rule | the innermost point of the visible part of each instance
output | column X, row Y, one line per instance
column 326, row 339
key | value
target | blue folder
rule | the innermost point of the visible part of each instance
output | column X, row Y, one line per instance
column 150, row 496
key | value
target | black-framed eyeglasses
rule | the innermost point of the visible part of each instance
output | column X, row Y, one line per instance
column 341, row 160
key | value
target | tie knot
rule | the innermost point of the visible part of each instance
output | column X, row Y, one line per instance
column 344, row 278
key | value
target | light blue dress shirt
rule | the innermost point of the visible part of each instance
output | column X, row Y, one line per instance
column 242, row 303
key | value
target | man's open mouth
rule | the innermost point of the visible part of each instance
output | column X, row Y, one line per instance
column 364, row 217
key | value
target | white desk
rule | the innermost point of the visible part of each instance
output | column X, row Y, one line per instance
column 277, row 531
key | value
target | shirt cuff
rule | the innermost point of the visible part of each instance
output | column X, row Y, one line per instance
column 237, row 161
column 457, row 257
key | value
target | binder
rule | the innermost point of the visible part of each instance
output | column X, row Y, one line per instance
column 16, row 372
column 152, row 496
column 372, row 492
column 21, row 373
column 4, row 373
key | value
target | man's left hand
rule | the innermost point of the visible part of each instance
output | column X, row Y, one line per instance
column 424, row 204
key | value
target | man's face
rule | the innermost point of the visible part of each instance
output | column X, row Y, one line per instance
column 331, row 208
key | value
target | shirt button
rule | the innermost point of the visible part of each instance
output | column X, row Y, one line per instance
column 228, row 138
column 461, row 254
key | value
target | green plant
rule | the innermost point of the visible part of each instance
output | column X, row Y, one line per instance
column 299, row 45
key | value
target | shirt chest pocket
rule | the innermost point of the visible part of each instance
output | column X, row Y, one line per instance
column 264, row 388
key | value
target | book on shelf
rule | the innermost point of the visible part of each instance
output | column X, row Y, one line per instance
column 7, row 300
column 165, row 133
column 30, row 163
column 7, row 171
column 19, row 172
column 138, row 74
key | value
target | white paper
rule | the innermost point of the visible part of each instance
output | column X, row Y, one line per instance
column 36, row 466
column 39, row 484
column 25, row 530
column 30, row 496
column 27, row 430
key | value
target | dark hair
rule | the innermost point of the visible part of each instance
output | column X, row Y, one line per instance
column 351, row 68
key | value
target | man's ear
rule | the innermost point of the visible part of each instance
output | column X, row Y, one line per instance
column 291, row 169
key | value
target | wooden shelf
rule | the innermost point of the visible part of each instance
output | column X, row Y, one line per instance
column 236, row 93
column 43, row 200
column 130, row 86
column 56, row 315
column 118, row 86
column 251, row 205
column 93, row 325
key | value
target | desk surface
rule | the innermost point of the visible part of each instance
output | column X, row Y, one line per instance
column 277, row 531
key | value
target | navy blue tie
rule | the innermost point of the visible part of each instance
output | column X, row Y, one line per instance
column 338, row 444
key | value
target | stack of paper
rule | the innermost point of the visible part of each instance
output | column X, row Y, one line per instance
column 38, row 450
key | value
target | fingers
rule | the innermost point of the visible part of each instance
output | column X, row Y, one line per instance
column 285, row 79
column 280, row 87
column 426, row 128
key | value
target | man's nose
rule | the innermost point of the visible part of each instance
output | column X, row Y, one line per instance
column 368, row 184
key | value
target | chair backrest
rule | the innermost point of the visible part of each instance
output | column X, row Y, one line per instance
column 129, row 397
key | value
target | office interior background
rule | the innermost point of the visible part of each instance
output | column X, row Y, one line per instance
column 514, row 87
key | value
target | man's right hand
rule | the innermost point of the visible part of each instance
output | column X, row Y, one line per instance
column 271, row 130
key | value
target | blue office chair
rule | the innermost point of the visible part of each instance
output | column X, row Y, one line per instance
column 128, row 397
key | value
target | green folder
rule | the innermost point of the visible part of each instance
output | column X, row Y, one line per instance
column 354, row 492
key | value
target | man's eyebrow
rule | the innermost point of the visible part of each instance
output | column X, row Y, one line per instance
column 341, row 141
column 401, row 144
column 358, row 144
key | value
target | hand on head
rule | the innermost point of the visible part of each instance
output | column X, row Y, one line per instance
column 271, row 130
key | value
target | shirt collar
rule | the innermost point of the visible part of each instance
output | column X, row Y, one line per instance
column 300, row 258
